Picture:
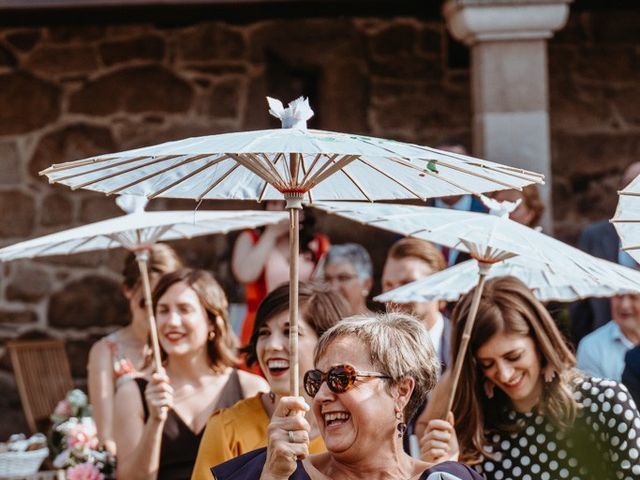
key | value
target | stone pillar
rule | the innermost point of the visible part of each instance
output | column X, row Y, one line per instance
column 509, row 79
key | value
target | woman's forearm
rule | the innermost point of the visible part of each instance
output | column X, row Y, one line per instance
column 143, row 463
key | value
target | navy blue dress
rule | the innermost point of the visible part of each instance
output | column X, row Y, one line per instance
column 249, row 467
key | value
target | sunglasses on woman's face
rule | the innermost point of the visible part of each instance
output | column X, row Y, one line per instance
column 339, row 379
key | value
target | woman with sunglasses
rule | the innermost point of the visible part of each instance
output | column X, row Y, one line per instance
column 372, row 373
column 523, row 410
column 121, row 355
column 243, row 427
column 160, row 420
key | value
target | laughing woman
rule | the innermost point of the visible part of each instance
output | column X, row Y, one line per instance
column 526, row 412
column 159, row 422
column 243, row 427
column 371, row 374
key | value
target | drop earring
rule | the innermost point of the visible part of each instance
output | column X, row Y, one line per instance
column 402, row 427
column 211, row 335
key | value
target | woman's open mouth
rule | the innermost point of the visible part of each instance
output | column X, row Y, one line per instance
column 278, row 366
column 334, row 419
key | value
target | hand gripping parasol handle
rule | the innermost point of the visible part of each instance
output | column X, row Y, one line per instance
column 142, row 256
column 466, row 334
column 294, row 206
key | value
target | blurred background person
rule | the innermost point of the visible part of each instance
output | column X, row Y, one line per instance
column 522, row 408
column 408, row 260
column 631, row 373
column 349, row 271
column 160, row 420
column 602, row 352
column 371, row 374
column 121, row 355
column 531, row 208
column 260, row 259
column 243, row 427
column 600, row 239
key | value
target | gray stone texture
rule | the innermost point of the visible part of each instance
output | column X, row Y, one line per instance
column 69, row 92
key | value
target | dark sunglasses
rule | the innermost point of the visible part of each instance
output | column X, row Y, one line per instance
column 339, row 379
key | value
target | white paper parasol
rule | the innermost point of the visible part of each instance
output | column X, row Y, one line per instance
column 627, row 218
column 136, row 232
column 546, row 283
column 293, row 163
column 489, row 239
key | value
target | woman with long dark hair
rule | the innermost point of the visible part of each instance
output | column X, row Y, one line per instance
column 521, row 407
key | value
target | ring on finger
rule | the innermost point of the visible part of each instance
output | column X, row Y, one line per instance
column 292, row 439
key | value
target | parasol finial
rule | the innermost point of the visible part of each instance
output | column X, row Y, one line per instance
column 295, row 115
column 498, row 208
column 132, row 203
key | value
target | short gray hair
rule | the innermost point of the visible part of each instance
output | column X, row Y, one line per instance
column 352, row 253
column 399, row 346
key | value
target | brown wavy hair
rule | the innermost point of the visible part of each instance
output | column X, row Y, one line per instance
column 508, row 306
column 162, row 259
column 319, row 306
column 222, row 349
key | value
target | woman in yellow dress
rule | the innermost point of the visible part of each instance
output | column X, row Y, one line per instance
column 233, row 431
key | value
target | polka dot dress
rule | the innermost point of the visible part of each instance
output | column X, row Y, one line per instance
column 603, row 444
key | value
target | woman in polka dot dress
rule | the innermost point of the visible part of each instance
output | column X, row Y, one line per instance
column 522, row 410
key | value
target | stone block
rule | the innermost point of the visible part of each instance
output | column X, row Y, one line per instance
column 133, row 90
column 211, row 41
column 28, row 103
column 148, row 47
column 76, row 33
column 20, row 208
column 614, row 26
column 592, row 153
column 416, row 68
column 7, row 58
column 98, row 207
column 17, row 317
column 430, row 41
column 78, row 354
column 24, row 40
column 396, row 40
column 63, row 60
column 307, row 42
column 595, row 63
column 71, row 142
column 225, row 98
column 627, row 102
column 13, row 420
column 575, row 108
column 28, row 283
column 91, row 301
column 57, row 210
column 10, row 167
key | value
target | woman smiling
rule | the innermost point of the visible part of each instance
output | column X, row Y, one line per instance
column 524, row 410
column 371, row 374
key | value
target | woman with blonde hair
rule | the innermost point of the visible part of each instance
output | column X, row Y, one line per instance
column 370, row 375
column 523, row 410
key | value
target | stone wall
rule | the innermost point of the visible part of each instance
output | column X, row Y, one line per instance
column 68, row 92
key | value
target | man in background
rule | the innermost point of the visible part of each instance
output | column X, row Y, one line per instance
column 600, row 239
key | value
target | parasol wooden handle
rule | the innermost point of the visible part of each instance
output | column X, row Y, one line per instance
column 466, row 335
column 293, row 205
column 142, row 257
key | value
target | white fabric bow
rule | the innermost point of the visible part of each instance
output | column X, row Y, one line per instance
column 295, row 115
column 132, row 203
column 499, row 209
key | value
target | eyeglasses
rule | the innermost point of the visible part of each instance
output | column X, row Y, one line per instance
column 339, row 379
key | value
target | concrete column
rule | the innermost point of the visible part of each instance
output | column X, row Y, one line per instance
column 509, row 79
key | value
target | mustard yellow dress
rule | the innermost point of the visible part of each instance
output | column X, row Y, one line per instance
column 233, row 431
